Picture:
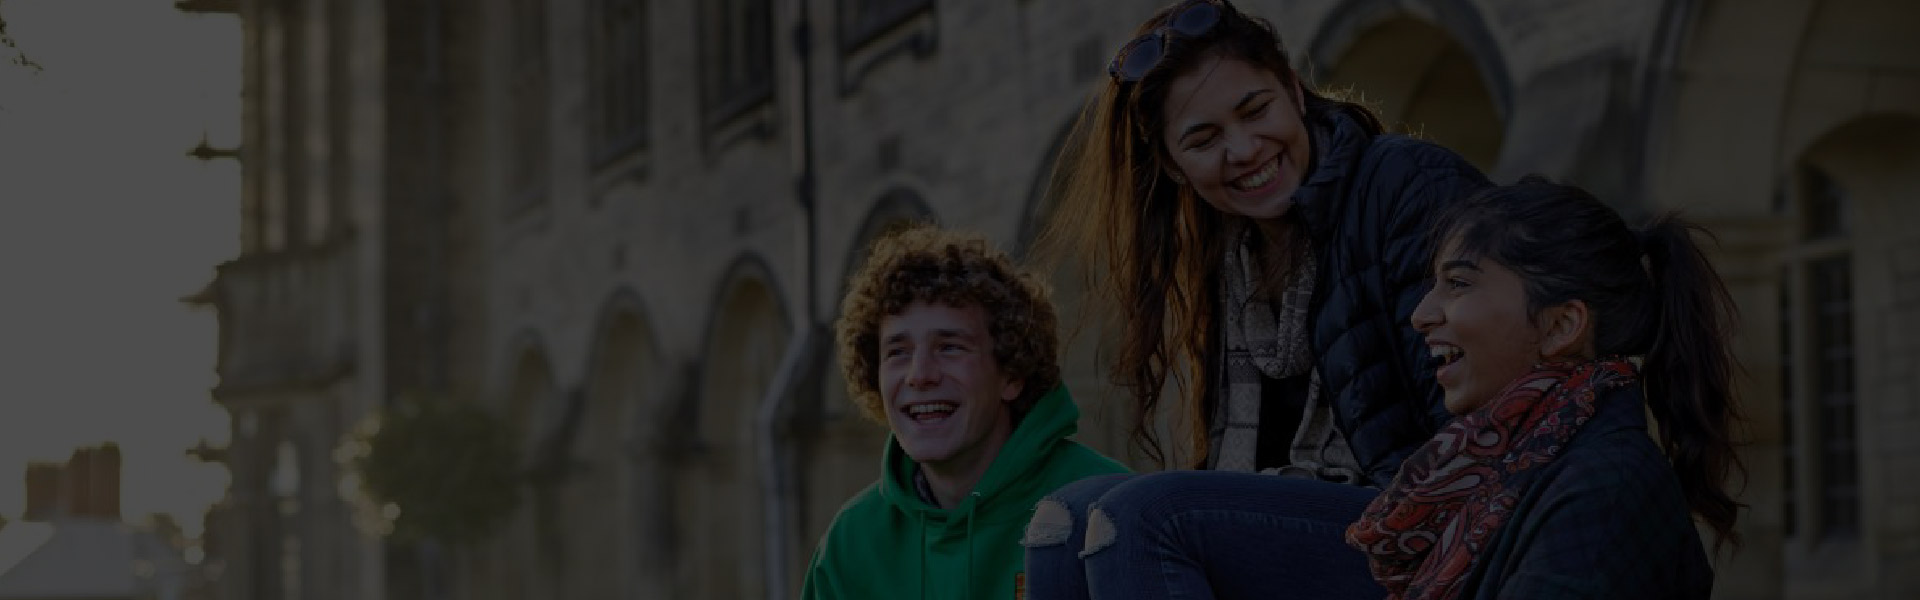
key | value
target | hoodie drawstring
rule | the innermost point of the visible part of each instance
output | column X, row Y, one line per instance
column 923, row 553
column 972, row 509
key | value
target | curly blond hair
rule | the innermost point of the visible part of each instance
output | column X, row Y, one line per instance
column 926, row 263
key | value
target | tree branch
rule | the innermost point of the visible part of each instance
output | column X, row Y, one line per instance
column 19, row 58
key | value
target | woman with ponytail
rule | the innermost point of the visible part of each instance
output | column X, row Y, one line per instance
column 1554, row 330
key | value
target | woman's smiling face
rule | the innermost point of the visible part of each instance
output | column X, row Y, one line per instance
column 1234, row 133
column 1479, row 328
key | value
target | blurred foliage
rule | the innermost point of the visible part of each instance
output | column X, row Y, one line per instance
column 19, row 58
column 439, row 470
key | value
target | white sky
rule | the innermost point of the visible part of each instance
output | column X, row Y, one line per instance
column 104, row 224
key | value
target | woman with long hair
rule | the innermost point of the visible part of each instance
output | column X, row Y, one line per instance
column 1236, row 216
column 1556, row 329
column 1263, row 246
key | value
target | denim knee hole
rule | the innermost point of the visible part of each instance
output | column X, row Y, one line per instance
column 1100, row 532
column 1052, row 524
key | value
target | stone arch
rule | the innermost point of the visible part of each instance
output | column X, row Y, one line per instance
column 1459, row 20
column 1856, row 60
column 1442, row 79
column 1875, row 156
column 531, row 390
column 720, row 539
column 896, row 208
column 599, row 508
column 1750, row 90
column 531, row 399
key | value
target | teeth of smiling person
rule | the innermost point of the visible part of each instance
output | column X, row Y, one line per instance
column 939, row 407
column 1261, row 177
column 1444, row 355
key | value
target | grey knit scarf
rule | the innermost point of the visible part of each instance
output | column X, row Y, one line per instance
column 1261, row 336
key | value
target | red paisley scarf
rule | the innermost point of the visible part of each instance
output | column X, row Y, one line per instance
column 1423, row 533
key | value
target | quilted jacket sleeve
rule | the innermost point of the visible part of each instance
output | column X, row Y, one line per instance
column 1408, row 182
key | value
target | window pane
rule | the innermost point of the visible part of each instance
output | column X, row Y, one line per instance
column 737, row 43
column 1831, row 295
column 617, row 61
column 1824, row 205
column 862, row 20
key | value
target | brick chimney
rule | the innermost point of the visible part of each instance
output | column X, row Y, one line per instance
column 106, row 482
column 92, row 483
column 43, row 491
column 87, row 486
column 76, row 499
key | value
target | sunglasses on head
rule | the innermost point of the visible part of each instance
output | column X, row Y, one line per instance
column 1192, row 18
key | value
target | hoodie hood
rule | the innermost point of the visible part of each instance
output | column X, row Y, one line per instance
column 1051, row 420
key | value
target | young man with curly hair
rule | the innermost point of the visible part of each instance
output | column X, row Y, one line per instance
column 951, row 347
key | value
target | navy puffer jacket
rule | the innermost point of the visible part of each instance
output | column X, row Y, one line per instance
column 1369, row 206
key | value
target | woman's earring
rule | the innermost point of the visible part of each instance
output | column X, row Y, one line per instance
column 1177, row 177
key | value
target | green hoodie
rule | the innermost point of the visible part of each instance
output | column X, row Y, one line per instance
column 888, row 543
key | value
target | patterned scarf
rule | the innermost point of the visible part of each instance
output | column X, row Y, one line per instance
column 1424, row 533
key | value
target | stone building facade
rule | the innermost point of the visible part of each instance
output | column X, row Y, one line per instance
column 624, row 225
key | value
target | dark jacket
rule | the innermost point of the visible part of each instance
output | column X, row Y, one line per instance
column 1369, row 205
column 1604, row 520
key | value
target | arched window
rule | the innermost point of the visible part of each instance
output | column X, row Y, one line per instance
column 600, row 517
column 720, row 539
column 1424, row 82
column 1818, row 360
column 530, row 406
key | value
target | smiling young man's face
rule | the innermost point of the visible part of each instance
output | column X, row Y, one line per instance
column 1479, row 329
column 946, row 398
column 1234, row 133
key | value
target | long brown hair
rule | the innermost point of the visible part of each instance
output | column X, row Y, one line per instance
column 1653, row 293
column 1152, row 247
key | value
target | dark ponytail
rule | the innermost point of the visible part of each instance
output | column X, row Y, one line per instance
column 1652, row 293
column 1689, row 370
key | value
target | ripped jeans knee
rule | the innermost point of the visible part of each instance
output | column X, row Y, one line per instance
column 1053, row 522
column 1052, row 525
column 1056, row 535
column 1100, row 532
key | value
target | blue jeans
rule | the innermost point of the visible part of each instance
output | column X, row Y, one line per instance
column 1197, row 534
